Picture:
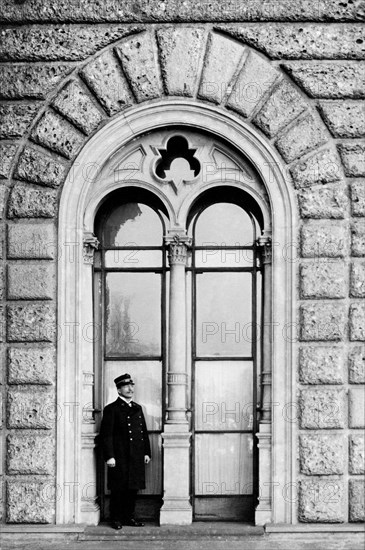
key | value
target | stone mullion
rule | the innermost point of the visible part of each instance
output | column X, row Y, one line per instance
column 176, row 435
column 264, row 435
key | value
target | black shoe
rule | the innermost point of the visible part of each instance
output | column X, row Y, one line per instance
column 134, row 523
column 116, row 525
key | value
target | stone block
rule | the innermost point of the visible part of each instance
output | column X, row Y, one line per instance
column 321, row 365
column 74, row 104
column 322, row 321
column 29, row 202
column 38, row 167
column 323, row 239
column 353, row 158
column 322, row 454
column 357, row 407
column 357, row 500
column 358, row 238
column 31, row 365
column 31, row 282
column 321, row 501
column 357, row 280
column 140, row 67
column 15, row 119
column 329, row 80
column 31, row 80
column 323, row 279
column 180, row 53
column 2, row 283
column 283, row 106
column 298, row 41
column 222, row 60
column 357, row 454
column 357, row 322
column 357, row 189
column 30, row 454
column 2, row 200
column 329, row 201
column 253, row 84
column 7, row 153
column 31, row 323
column 321, row 167
column 344, row 119
column 105, row 77
column 2, row 324
column 56, row 133
column 57, row 42
column 357, row 365
column 32, row 241
column 31, row 407
column 322, row 409
column 305, row 134
column 189, row 10
column 30, row 501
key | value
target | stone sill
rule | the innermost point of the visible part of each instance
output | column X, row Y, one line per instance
column 308, row 528
column 23, row 528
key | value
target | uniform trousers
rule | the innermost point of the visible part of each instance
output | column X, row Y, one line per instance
column 122, row 504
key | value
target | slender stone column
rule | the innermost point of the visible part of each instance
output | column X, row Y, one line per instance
column 176, row 436
column 176, row 375
column 267, row 332
column 89, row 507
column 263, row 513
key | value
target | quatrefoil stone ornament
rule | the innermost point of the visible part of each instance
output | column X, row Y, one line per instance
column 177, row 163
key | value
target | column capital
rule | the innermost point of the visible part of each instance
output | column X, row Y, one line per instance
column 178, row 247
column 90, row 244
column 264, row 242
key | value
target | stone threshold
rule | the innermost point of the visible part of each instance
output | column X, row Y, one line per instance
column 195, row 531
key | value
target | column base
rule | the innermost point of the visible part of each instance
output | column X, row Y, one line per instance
column 263, row 515
column 90, row 512
column 176, row 511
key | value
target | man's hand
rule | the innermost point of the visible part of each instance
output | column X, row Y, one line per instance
column 146, row 459
column 111, row 462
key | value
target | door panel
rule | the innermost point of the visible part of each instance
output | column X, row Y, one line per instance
column 223, row 464
column 133, row 314
column 223, row 395
column 223, row 329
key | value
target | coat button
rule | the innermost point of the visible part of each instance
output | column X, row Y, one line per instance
column 131, row 439
column 130, row 431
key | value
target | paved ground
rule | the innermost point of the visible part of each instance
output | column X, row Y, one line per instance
column 227, row 544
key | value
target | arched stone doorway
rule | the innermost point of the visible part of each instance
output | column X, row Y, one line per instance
column 256, row 171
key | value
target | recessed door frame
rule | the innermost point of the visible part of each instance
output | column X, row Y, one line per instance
column 83, row 192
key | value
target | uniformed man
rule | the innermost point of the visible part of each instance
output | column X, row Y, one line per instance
column 126, row 448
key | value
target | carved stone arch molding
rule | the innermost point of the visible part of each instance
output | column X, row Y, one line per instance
column 177, row 76
column 79, row 202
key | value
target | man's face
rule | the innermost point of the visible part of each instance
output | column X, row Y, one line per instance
column 126, row 391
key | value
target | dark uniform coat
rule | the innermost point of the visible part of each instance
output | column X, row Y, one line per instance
column 123, row 436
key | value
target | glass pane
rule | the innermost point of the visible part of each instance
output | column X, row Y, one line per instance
column 224, row 322
column 132, row 224
column 223, row 464
column 133, row 258
column 223, row 395
column 147, row 376
column 133, row 314
column 154, row 468
column 224, row 224
column 224, row 258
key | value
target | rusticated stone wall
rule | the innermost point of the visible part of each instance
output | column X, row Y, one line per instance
column 295, row 71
